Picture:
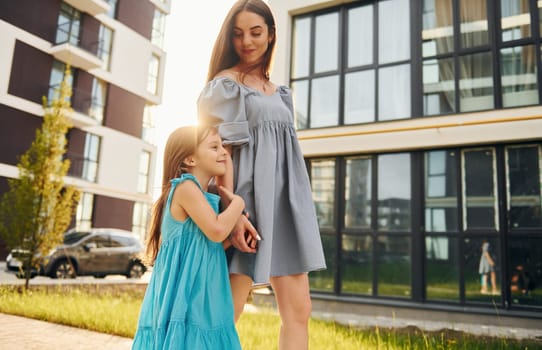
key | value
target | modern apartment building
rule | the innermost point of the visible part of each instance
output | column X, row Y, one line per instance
column 114, row 49
column 421, row 124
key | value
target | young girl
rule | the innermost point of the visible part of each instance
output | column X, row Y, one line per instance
column 267, row 169
column 188, row 302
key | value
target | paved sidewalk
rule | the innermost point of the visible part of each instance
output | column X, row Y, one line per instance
column 21, row 333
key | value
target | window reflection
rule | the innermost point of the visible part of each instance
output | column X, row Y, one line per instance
column 441, row 191
column 360, row 36
column 393, row 260
column 442, row 268
column 326, row 53
column 357, row 192
column 394, row 192
column 325, row 102
column 83, row 214
column 393, row 31
column 323, row 190
column 438, row 86
column 524, row 183
column 482, row 282
column 438, row 30
column 359, row 99
column 357, row 262
column 474, row 26
column 515, row 19
column 90, row 162
column 301, row 47
column 479, row 180
column 518, row 67
column 525, row 271
column 476, row 84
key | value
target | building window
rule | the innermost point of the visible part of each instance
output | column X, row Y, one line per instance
column 97, row 101
column 140, row 220
column 374, row 73
column 106, row 45
column 112, row 8
column 147, row 131
column 158, row 28
column 58, row 73
column 85, row 208
column 152, row 78
column 91, row 156
column 144, row 171
column 471, row 65
column 68, row 26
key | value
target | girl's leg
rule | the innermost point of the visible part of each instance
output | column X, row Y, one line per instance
column 294, row 304
column 240, row 287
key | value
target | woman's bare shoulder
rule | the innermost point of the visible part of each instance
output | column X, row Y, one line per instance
column 228, row 73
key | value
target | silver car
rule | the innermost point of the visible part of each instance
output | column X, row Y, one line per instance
column 96, row 252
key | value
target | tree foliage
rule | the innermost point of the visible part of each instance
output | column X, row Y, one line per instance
column 37, row 208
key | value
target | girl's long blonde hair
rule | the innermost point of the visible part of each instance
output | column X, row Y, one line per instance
column 224, row 55
column 181, row 144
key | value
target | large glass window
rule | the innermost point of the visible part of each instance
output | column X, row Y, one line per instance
column 518, row 76
column 515, row 19
column 438, row 30
column 84, row 211
column 394, row 192
column 68, row 26
column 58, row 73
column 97, row 102
column 90, row 162
column 476, row 82
column 147, row 131
column 479, row 185
column 393, row 265
column 482, row 261
column 441, row 196
column 474, row 24
column 140, row 219
column 524, row 184
column 358, row 192
column 106, row 44
column 442, row 268
column 372, row 70
column 144, row 170
column 152, row 77
column 322, row 174
column 525, row 270
column 158, row 28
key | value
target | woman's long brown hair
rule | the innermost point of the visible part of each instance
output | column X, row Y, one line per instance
column 181, row 144
column 224, row 55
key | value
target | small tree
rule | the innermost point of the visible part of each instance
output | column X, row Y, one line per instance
column 37, row 208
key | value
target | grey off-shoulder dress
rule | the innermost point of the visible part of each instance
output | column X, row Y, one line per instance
column 270, row 175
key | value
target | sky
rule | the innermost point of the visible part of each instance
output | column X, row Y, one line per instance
column 189, row 38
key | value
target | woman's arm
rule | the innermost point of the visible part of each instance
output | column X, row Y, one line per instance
column 189, row 201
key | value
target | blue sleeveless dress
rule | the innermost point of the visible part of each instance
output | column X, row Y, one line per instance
column 188, row 303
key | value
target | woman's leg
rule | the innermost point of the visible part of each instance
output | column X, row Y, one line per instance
column 240, row 287
column 494, row 283
column 294, row 304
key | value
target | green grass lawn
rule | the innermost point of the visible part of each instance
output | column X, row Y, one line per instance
column 114, row 309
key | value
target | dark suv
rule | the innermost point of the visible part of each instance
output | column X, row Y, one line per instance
column 96, row 252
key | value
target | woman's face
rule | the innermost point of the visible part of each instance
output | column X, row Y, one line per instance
column 250, row 37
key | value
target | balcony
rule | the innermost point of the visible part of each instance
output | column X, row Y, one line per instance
column 92, row 7
column 72, row 47
column 88, row 109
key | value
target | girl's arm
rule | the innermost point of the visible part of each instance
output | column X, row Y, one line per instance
column 189, row 201
column 237, row 238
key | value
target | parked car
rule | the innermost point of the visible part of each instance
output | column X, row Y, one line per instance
column 96, row 252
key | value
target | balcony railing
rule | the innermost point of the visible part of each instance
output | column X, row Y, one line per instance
column 77, row 47
column 81, row 101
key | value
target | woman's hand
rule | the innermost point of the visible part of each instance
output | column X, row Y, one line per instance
column 244, row 236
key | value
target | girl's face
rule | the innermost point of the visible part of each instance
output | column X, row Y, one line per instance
column 210, row 155
column 250, row 37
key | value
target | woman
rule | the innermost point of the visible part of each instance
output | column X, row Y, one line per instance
column 268, row 170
